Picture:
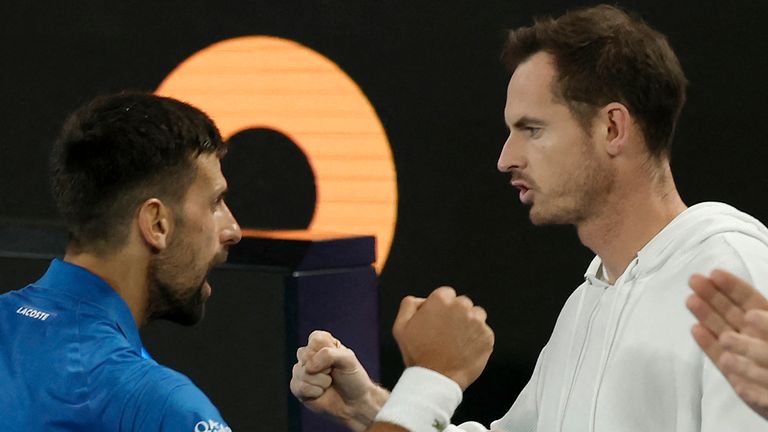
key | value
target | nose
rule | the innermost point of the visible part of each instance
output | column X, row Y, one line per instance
column 511, row 156
column 230, row 232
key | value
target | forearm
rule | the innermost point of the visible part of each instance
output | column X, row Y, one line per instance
column 362, row 414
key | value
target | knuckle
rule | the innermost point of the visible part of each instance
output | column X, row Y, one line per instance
column 298, row 389
column 308, row 392
column 317, row 334
column 321, row 337
column 397, row 332
column 465, row 301
column 444, row 293
column 324, row 353
column 407, row 300
column 301, row 353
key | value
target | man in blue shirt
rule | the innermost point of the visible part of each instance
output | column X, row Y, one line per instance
column 138, row 181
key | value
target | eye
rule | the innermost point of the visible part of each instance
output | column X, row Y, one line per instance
column 533, row 132
column 217, row 203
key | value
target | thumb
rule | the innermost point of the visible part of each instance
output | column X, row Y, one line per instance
column 408, row 308
column 321, row 361
column 320, row 339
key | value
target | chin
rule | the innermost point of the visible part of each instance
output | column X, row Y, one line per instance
column 185, row 310
column 541, row 217
column 187, row 317
column 538, row 217
column 194, row 309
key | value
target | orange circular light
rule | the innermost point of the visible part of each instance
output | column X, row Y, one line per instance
column 268, row 82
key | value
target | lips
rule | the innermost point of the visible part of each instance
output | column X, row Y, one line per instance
column 206, row 290
column 526, row 195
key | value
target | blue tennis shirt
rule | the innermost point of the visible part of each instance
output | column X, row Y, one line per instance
column 71, row 360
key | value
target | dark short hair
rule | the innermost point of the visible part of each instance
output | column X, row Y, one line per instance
column 603, row 55
column 120, row 150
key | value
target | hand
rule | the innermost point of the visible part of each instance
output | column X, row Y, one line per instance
column 329, row 379
column 733, row 332
column 445, row 333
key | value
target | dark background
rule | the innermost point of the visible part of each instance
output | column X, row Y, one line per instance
column 431, row 71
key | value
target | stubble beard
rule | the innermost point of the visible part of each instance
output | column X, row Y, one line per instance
column 176, row 285
column 580, row 196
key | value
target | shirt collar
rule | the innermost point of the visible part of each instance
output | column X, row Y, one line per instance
column 80, row 283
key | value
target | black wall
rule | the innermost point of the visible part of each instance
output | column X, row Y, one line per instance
column 431, row 71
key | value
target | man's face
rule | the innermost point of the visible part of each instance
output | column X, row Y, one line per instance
column 557, row 166
column 204, row 228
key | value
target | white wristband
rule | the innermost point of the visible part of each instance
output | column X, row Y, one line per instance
column 422, row 401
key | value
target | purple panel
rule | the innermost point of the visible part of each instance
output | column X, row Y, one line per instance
column 344, row 303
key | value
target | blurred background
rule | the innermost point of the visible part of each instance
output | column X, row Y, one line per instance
column 432, row 75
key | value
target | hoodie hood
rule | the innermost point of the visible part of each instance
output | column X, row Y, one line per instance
column 694, row 226
column 686, row 232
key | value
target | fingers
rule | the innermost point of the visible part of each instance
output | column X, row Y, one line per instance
column 708, row 342
column 465, row 302
column 719, row 302
column 408, row 306
column 320, row 339
column 757, row 323
column 446, row 333
column 306, row 386
column 479, row 313
column 705, row 313
column 444, row 293
column 733, row 364
column 336, row 359
column 756, row 350
column 476, row 312
column 738, row 290
column 309, row 383
column 753, row 394
column 302, row 355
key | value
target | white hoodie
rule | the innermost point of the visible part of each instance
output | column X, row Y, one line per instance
column 643, row 372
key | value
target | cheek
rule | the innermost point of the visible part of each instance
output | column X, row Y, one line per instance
column 200, row 232
column 555, row 165
column 210, row 231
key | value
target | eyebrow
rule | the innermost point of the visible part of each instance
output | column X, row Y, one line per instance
column 526, row 121
column 222, row 192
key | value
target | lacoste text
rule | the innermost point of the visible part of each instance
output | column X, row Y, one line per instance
column 33, row 313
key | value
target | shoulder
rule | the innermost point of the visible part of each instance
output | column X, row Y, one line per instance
column 41, row 369
column 722, row 233
column 744, row 255
column 157, row 398
column 187, row 408
column 740, row 253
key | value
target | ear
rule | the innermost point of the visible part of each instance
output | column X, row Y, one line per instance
column 154, row 221
column 616, row 127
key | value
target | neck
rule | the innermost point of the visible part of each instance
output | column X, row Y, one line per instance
column 632, row 216
column 120, row 271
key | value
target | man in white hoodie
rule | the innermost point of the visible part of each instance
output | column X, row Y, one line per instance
column 591, row 107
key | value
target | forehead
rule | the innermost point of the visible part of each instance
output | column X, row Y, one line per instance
column 209, row 175
column 530, row 87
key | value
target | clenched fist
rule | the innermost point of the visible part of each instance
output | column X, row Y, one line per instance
column 445, row 333
column 329, row 379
